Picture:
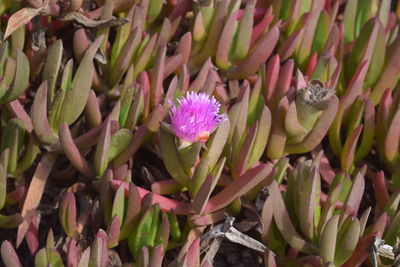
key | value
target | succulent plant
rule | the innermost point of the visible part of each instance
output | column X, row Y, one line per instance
column 166, row 133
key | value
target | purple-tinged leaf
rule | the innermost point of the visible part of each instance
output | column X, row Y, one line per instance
column 392, row 139
column 166, row 204
column 132, row 211
column 166, row 187
column 72, row 253
column 257, row 55
column 361, row 253
column 184, row 47
column 238, row 187
column 113, row 232
column 144, row 57
column 389, row 75
column 92, row 110
column 202, row 196
column 271, row 78
column 349, row 148
column 75, row 99
column 363, row 220
column 101, row 155
column 118, row 206
column 52, row 67
column 349, row 20
column 367, row 137
column 214, row 33
column 304, row 50
column 99, row 251
column 244, row 32
column 170, row 156
column 156, row 257
column 72, row 152
column 225, row 42
column 67, row 214
column 353, row 90
column 284, row 224
column 157, row 75
column 241, row 163
column 9, row 256
column 277, row 139
column 353, row 199
column 18, row 111
column 39, row 116
column 347, row 241
column 392, row 203
column 291, row 44
column 261, row 138
column 163, row 231
column 308, row 189
column 328, row 239
column 381, row 193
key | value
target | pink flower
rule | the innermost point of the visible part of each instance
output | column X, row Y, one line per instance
column 196, row 117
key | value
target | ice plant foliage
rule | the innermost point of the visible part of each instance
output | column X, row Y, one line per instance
column 311, row 92
column 195, row 117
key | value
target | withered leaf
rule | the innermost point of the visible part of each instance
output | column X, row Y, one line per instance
column 20, row 18
column 86, row 22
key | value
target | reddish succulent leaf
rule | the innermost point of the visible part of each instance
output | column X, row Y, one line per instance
column 157, row 75
column 389, row 75
column 113, row 232
column 353, row 199
column 92, row 110
column 184, row 47
column 261, row 26
column 238, row 187
column 67, row 214
column 99, row 251
column 194, row 253
column 241, row 163
column 35, row 192
column 277, row 141
column 291, row 44
column 200, row 200
column 9, row 256
column 271, row 78
column 156, row 257
column 89, row 138
column 213, row 34
column 18, row 111
column 361, row 253
column 39, row 116
column 166, row 187
column 72, row 254
column 269, row 259
column 328, row 239
column 72, row 152
column 225, row 42
column 349, row 148
column 380, row 191
column 102, row 149
column 210, row 218
column 353, row 90
column 284, row 223
column 32, row 236
column 166, row 204
column 257, row 55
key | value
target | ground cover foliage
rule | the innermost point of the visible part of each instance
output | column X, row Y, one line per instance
column 199, row 133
